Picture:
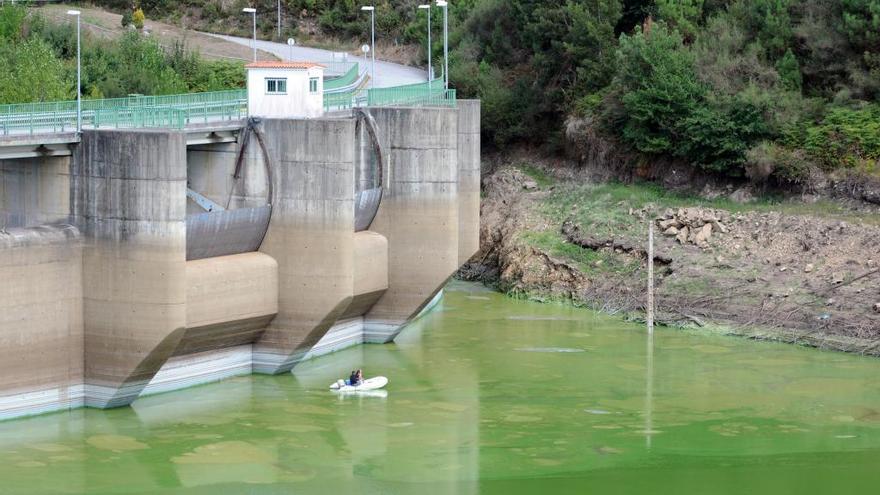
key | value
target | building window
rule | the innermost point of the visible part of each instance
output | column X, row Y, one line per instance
column 276, row 86
column 313, row 85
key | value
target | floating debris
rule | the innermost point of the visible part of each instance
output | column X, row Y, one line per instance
column 550, row 349
column 597, row 411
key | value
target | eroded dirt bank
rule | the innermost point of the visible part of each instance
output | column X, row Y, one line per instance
column 799, row 272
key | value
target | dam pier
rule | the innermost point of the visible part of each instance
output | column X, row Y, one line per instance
column 141, row 260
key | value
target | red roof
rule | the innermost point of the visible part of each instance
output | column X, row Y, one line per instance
column 269, row 64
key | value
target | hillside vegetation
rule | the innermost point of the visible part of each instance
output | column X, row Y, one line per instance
column 38, row 61
column 769, row 89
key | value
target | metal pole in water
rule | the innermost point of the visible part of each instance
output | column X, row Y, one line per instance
column 650, row 309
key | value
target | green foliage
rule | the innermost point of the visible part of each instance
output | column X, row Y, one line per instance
column 40, row 63
column 32, row 73
column 126, row 18
column 790, row 71
column 31, row 70
column 12, row 18
column 138, row 18
column 684, row 15
column 660, row 89
column 846, row 138
column 668, row 110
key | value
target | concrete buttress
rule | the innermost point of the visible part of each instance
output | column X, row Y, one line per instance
column 418, row 214
column 310, row 235
column 129, row 203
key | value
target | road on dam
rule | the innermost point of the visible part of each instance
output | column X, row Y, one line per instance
column 387, row 73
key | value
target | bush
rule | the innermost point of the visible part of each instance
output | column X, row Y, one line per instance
column 126, row 18
column 846, row 138
column 138, row 18
column 771, row 159
column 668, row 110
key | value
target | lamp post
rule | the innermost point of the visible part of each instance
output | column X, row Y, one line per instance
column 279, row 19
column 290, row 43
column 445, row 5
column 372, row 10
column 253, row 13
column 428, row 8
column 76, row 13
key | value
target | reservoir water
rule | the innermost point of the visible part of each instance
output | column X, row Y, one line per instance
column 487, row 395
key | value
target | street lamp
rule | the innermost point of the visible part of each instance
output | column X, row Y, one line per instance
column 253, row 12
column 445, row 5
column 372, row 10
column 279, row 19
column 428, row 8
column 76, row 13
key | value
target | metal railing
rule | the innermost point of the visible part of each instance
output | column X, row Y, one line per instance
column 169, row 111
column 344, row 80
column 420, row 94
column 335, row 68
column 178, row 111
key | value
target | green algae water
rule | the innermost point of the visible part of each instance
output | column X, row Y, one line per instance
column 487, row 395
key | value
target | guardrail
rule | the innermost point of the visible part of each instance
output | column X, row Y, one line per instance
column 336, row 67
column 171, row 111
column 178, row 111
column 344, row 80
column 420, row 94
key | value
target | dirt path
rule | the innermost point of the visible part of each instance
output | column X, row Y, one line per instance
column 108, row 25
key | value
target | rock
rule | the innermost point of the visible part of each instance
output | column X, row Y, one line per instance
column 701, row 239
column 830, row 302
column 837, row 278
column 665, row 224
column 809, row 268
column 682, row 236
column 719, row 227
column 530, row 185
column 877, row 307
column 783, row 269
column 670, row 232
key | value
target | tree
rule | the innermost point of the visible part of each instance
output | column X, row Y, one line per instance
column 790, row 71
column 33, row 73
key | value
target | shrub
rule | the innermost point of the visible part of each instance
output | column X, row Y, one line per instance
column 126, row 18
column 771, row 159
column 138, row 18
column 846, row 138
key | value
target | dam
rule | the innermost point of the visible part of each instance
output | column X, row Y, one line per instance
column 156, row 256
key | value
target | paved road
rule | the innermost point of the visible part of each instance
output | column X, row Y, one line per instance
column 387, row 73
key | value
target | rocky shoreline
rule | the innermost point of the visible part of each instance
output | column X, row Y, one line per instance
column 800, row 273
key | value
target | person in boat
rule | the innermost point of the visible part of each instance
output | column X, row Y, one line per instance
column 356, row 378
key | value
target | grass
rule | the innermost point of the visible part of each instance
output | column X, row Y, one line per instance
column 590, row 262
column 605, row 208
column 538, row 175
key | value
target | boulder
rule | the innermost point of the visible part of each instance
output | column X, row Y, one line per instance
column 670, row 232
column 683, row 235
column 701, row 239
column 809, row 268
column 877, row 307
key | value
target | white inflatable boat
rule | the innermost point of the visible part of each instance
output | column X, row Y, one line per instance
column 374, row 383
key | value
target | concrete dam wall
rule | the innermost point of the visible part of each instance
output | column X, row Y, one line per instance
column 146, row 262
